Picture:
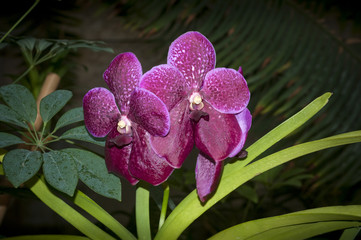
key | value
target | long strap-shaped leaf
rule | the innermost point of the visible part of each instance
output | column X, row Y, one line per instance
column 102, row 216
column 283, row 224
column 39, row 188
column 236, row 174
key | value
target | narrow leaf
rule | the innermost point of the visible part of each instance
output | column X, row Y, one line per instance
column 93, row 172
column 19, row 99
column 236, row 175
column 7, row 139
column 60, row 171
column 20, row 165
column 350, row 234
column 53, row 103
column 7, row 115
column 72, row 116
column 80, row 133
column 89, row 229
column 101, row 215
column 263, row 226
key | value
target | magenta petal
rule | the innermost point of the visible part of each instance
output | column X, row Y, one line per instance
column 176, row 146
column 147, row 110
column 144, row 163
column 217, row 137
column 100, row 111
column 117, row 159
column 208, row 174
column 122, row 76
column 193, row 54
column 244, row 120
column 226, row 90
column 166, row 82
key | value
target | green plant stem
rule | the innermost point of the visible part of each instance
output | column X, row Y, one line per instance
column 40, row 189
column 19, row 21
column 101, row 215
column 24, row 74
column 142, row 212
column 163, row 212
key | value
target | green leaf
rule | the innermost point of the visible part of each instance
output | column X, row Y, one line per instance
column 248, row 192
column 20, row 165
column 60, row 171
column 53, row 103
column 262, row 227
column 87, row 204
column 7, row 115
column 7, row 139
column 19, row 99
column 93, row 172
column 72, row 116
column 28, row 43
column 89, row 229
column 350, row 234
column 80, row 133
column 43, row 44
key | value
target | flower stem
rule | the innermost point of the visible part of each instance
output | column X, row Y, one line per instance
column 163, row 212
column 17, row 23
column 142, row 212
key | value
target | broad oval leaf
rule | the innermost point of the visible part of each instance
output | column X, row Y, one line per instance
column 93, row 172
column 80, row 133
column 72, row 116
column 60, row 171
column 53, row 103
column 7, row 115
column 19, row 99
column 20, row 165
column 7, row 139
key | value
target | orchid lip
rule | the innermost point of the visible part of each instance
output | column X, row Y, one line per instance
column 124, row 125
column 196, row 101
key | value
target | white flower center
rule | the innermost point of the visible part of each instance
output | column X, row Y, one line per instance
column 196, row 101
column 124, row 125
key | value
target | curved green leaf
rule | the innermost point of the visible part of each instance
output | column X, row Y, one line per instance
column 236, row 174
column 20, row 165
column 89, row 229
column 80, row 133
column 7, row 139
column 60, row 171
column 101, row 215
column 93, row 172
column 53, row 103
column 19, row 99
column 261, row 227
column 7, row 115
column 72, row 116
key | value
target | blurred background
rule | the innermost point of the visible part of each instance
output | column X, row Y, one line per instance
column 290, row 51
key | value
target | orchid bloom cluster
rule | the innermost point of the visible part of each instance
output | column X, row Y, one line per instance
column 153, row 121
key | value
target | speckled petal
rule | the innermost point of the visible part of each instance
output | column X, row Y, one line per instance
column 117, row 159
column 217, row 137
column 226, row 90
column 122, row 76
column 208, row 174
column 245, row 121
column 193, row 54
column 176, row 146
column 147, row 110
column 166, row 82
column 144, row 163
column 100, row 111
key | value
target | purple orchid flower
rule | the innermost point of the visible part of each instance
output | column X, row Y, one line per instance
column 128, row 116
column 207, row 108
